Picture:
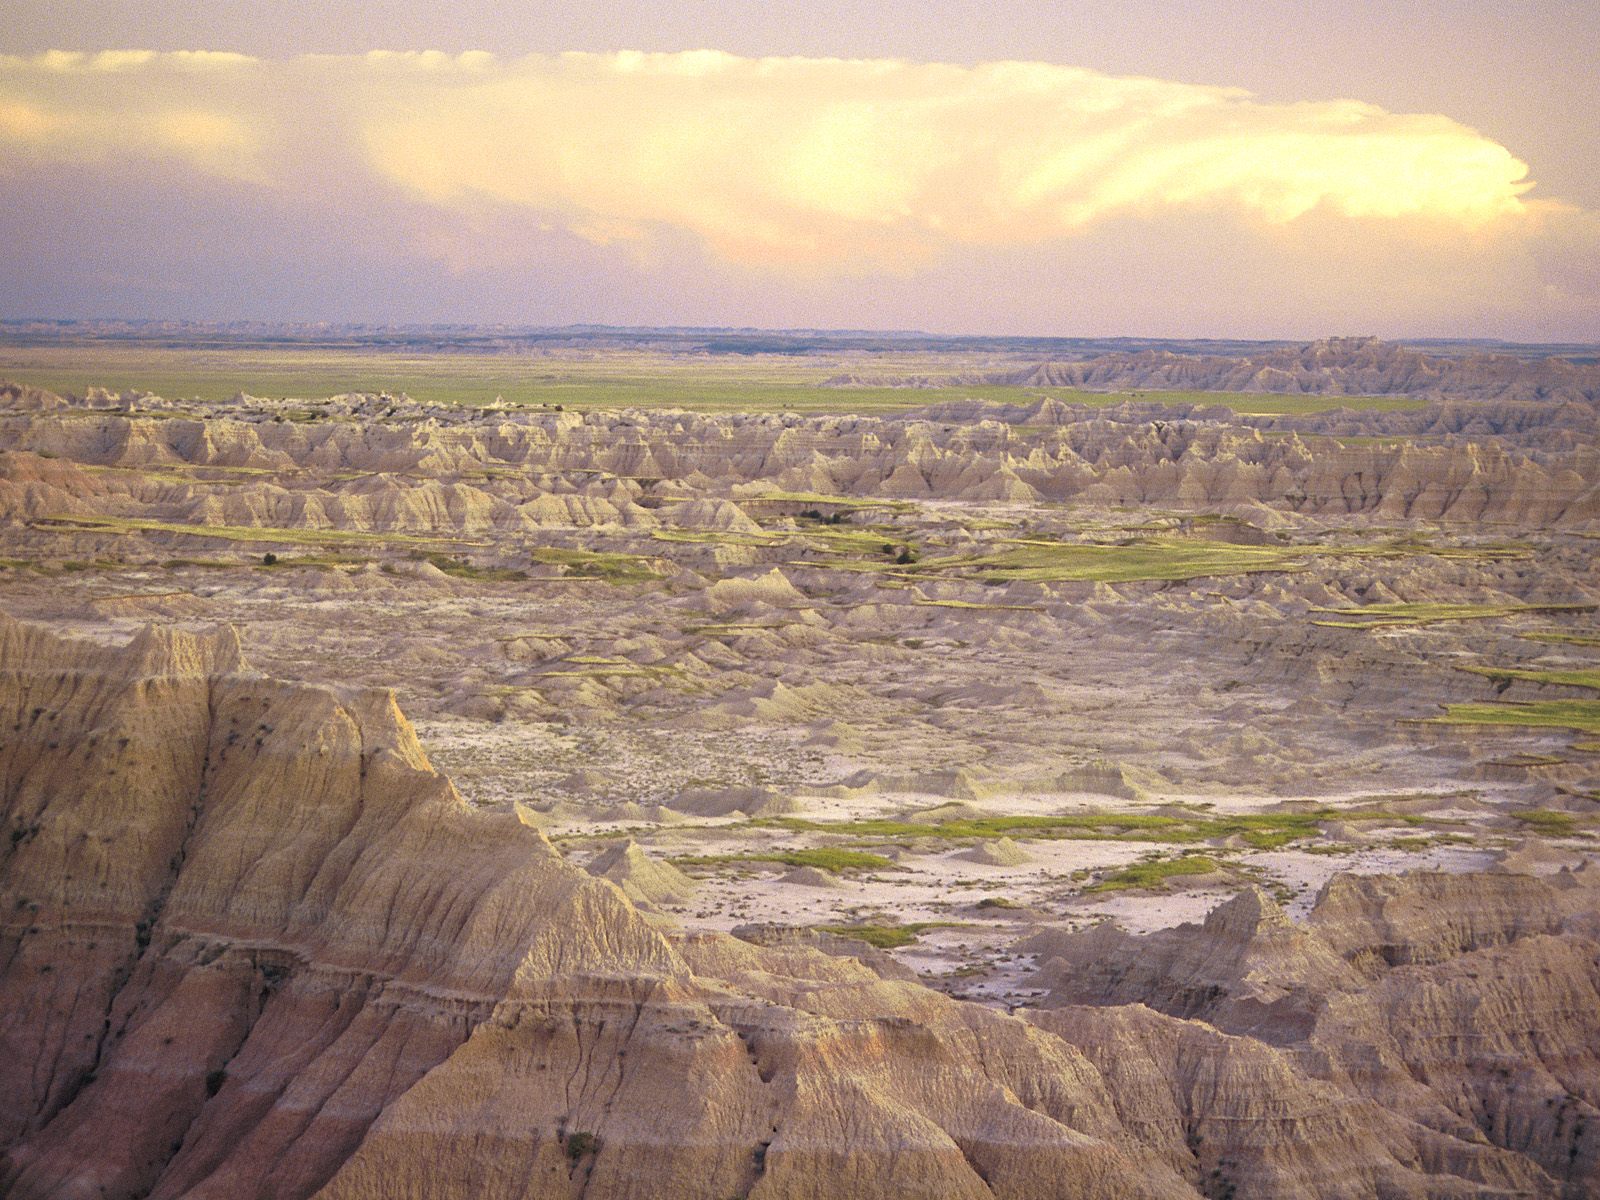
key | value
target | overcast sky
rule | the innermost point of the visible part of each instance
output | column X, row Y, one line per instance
column 1139, row 168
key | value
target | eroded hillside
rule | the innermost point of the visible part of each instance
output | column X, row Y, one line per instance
column 1137, row 798
column 256, row 945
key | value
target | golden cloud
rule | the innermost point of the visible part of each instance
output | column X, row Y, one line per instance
column 822, row 165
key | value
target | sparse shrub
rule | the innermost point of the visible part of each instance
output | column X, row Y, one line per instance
column 907, row 555
column 269, row 559
column 580, row 1144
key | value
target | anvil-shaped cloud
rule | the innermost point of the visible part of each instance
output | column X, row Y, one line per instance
column 707, row 188
column 815, row 164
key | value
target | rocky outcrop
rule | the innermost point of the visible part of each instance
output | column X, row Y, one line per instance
column 252, row 944
column 642, row 879
column 1471, row 1001
column 1332, row 366
column 459, row 473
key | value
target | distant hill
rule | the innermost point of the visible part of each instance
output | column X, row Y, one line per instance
column 1334, row 366
column 1051, row 352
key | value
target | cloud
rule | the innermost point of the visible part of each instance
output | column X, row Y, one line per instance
column 811, row 165
column 708, row 188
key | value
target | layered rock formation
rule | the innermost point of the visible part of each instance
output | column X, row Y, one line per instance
column 1469, row 1001
column 1333, row 366
column 366, row 465
column 252, row 944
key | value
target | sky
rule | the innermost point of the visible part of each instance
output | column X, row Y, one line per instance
column 1249, row 169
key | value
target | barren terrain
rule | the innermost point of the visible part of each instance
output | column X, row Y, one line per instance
column 994, row 692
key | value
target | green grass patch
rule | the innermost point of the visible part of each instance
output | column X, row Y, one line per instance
column 712, row 537
column 607, row 379
column 236, row 533
column 1581, row 715
column 826, row 858
column 67, row 567
column 462, row 569
column 1414, row 844
column 1378, row 616
column 1260, row 831
column 1153, row 559
column 888, row 937
column 1589, row 678
column 1548, row 821
column 1155, row 873
column 318, row 561
column 972, row 604
column 592, row 564
column 821, row 500
column 1061, row 562
column 1562, row 639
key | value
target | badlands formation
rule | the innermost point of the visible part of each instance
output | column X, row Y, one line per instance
column 1144, row 799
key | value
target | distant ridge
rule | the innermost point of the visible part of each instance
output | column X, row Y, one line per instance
column 732, row 340
column 1333, row 366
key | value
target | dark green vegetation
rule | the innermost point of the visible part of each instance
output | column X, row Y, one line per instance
column 580, row 1144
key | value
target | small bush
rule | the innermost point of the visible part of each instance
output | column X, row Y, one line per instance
column 580, row 1144
column 269, row 559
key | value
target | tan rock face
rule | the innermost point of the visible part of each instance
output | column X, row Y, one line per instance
column 456, row 473
column 1470, row 1002
column 253, row 945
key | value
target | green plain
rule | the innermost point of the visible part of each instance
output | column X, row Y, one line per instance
column 745, row 383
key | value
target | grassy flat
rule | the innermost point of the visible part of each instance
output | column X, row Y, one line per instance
column 1261, row 831
column 888, row 937
column 1562, row 639
column 1585, row 678
column 743, row 383
column 1155, row 873
column 1145, row 560
column 591, row 564
column 826, row 858
column 1548, row 821
column 1379, row 616
column 1581, row 715
column 243, row 533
